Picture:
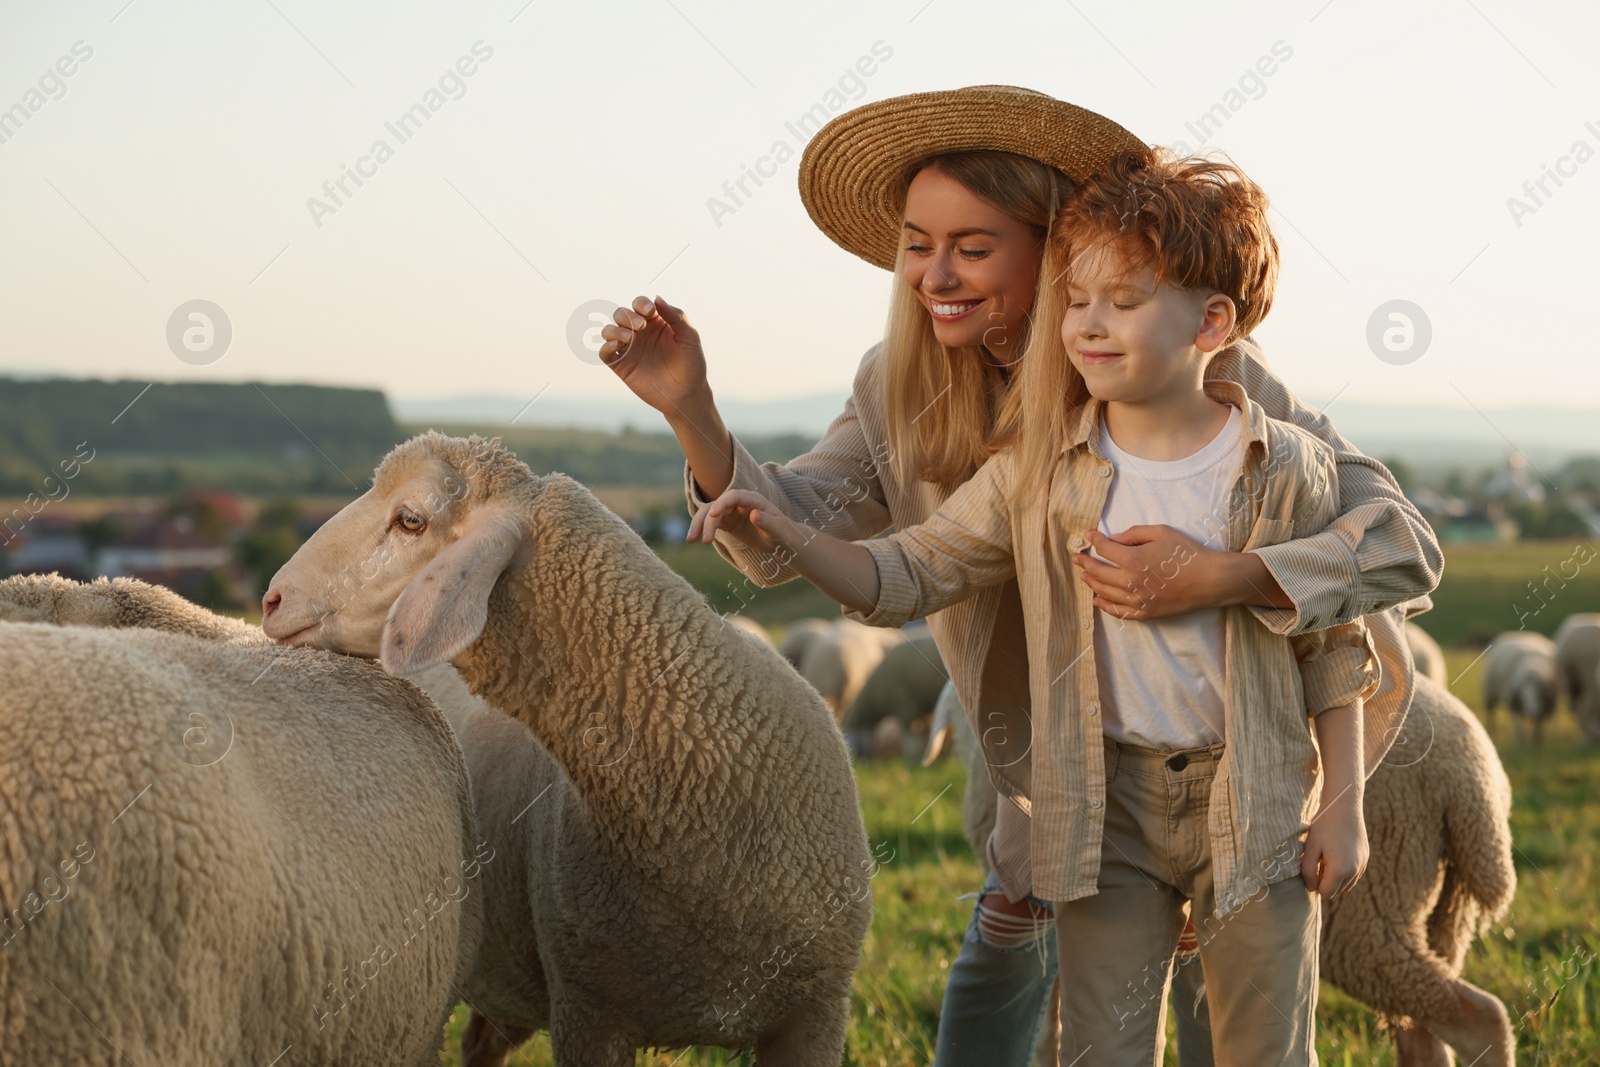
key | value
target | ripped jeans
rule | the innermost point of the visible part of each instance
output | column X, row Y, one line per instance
column 997, row 998
column 995, row 1001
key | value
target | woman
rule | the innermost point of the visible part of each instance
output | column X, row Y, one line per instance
column 954, row 192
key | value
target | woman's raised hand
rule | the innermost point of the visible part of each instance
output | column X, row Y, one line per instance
column 655, row 351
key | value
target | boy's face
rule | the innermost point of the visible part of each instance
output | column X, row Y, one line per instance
column 1134, row 340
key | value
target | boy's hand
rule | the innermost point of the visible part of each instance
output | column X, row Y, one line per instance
column 748, row 516
column 1336, row 849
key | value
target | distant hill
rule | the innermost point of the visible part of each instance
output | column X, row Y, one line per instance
column 263, row 439
column 166, row 436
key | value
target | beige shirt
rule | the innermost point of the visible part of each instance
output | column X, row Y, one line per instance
column 1378, row 554
column 1267, row 782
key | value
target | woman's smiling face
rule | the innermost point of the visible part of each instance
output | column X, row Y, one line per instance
column 972, row 266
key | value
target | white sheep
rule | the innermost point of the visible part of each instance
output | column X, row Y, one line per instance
column 837, row 663
column 901, row 690
column 749, row 626
column 1519, row 672
column 1438, row 813
column 799, row 636
column 1425, row 653
column 215, row 850
column 706, row 878
column 1578, row 657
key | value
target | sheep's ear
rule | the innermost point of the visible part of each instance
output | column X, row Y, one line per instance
column 444, row 608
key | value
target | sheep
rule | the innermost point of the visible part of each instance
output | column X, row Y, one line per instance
column 838, row 662
column 1425, row 653
column 902, row 689
column 749, row 626
column 705, row 877
column 214, row 850
column 1519, row 671
column 116, row 603
column 1438, row 813
column 952, row 732
column 516, row 785
column 1578, row 656
column 799, row 637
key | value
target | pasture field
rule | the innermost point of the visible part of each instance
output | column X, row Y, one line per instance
column 1540, row 959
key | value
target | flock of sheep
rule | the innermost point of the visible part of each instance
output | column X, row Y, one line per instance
column 1529, row 673
column 487, row 748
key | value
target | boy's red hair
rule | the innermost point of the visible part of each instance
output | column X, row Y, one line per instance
column 1197, row 223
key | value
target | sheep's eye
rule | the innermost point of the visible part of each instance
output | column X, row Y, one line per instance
column 410, row 521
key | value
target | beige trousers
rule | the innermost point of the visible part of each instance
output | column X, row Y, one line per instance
column 1116, row 946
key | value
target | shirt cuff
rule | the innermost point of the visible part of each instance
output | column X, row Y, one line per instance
column 1320, row 574
column 897, row 592
column 1340, row 674
column 764, row 568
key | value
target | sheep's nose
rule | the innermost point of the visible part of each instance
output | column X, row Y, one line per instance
column 270, row 602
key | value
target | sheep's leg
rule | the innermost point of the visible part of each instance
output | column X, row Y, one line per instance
column 1397, row 974
column 579, row 1040
column 812, row 1035
column 486, row 1043
column 1479, row 1030
column 1416, row 1046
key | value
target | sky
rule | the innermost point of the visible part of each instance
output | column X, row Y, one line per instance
column 184, row 157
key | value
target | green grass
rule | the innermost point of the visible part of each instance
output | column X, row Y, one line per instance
column 1539, row 960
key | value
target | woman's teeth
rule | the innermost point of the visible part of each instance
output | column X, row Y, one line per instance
column 954, row 309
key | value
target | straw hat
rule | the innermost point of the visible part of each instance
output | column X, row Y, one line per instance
column 851, row 170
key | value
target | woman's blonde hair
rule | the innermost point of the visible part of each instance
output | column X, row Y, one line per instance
column 942, row 403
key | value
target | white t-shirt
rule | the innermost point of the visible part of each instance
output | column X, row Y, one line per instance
column 1161, row 681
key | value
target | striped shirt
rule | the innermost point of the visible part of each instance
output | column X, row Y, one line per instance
column 1267, row 783
column 1377, row 555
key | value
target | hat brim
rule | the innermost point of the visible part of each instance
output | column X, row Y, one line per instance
column 850, row 172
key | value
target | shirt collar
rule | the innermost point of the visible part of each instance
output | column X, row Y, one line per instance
column 1223, row 390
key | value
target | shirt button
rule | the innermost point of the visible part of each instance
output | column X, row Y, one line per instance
column 1094, row 709
column 1088, row 622
column 1094, row 802
column 1105, row 472
column 1077, row 542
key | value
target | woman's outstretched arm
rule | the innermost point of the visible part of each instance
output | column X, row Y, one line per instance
column 835, row 487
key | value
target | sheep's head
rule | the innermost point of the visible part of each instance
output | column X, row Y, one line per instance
column 1533, row 697
column 403, row 573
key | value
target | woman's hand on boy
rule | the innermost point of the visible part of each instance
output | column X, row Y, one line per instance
column 1157, row 572
column 750, row 517
column 1336, row 850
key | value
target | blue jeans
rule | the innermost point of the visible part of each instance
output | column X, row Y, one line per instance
column 995, row 1002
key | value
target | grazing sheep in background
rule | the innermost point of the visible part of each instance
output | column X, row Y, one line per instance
column 264, row 855
column 1578, row 657
column 1425, row 653
column 749, row 626
column 707, row 878
column 800, row 636
column 902, row 689
column 1438, row 813
column 1519, row 671
column 838, row 662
